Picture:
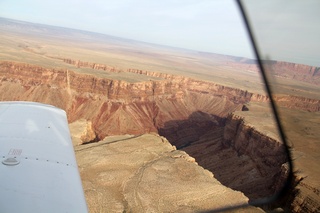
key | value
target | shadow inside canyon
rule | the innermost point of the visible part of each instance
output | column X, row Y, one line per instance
column 202, row 137
column 182, row 133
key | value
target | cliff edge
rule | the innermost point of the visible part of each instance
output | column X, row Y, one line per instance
column 146, row 173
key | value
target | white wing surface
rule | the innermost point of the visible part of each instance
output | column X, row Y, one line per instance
column 38, row 172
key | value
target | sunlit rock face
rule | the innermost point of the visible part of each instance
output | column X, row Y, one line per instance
column 82, row 132
column 191, row 114
column 117, row 107
column 147, row 174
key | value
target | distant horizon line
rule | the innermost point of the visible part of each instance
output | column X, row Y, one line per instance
column 255, row 60
column 125, row 38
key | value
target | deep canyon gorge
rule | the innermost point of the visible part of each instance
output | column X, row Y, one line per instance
column 165, row 129
column 195, row 116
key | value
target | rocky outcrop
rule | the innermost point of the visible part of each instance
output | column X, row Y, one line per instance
column 146, row 174
column 82, row 132
column 305, row 198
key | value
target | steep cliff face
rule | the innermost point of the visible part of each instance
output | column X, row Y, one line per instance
column 296, row 102
column 267, row 153
column 245, row 139
column 179, row 82
column 146, row 174
column 79, row 63
column 192, row 114
column 241, row 157
column 118, row 107
column 300, row 72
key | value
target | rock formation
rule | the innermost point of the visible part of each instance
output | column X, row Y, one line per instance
column 299, row 72
column 241, row 157
column 310, row 74
column 191, row 113
column 108, row 103
column 82, row 132
column 130, row 172
column 301, row 103
column 146, row 174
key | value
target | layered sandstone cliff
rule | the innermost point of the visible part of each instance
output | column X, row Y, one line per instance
column 296, row 102
column 191, row 113
column 310, row 74
column 268, row 154
column 119, row 107
column 299, row 72
column 242, row 158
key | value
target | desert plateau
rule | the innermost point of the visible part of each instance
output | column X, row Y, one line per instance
column 163, row 129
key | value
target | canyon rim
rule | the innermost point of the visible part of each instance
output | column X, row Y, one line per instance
column 174, row 126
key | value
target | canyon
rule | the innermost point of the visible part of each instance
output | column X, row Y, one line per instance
column 145, row 173
column 163, row 129
column 195, row 116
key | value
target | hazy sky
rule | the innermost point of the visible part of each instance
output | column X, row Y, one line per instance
column 205, row 25
column 286, row 29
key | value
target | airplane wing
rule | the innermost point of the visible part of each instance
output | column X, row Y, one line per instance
column 38, row 169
